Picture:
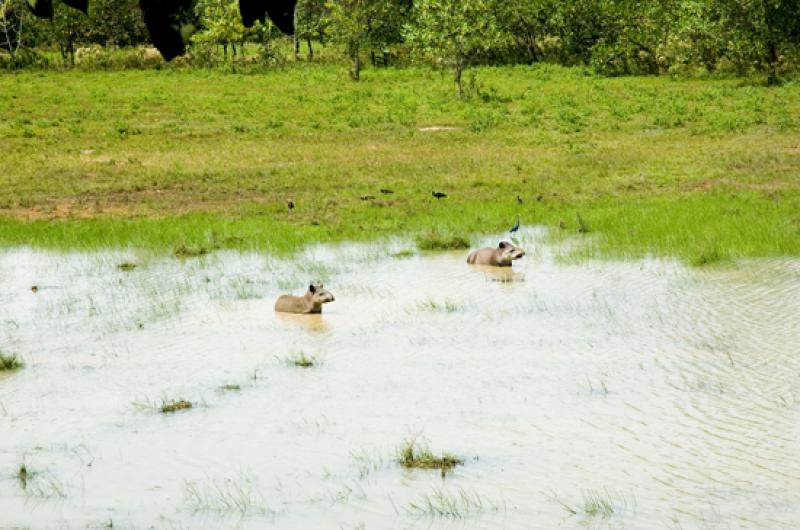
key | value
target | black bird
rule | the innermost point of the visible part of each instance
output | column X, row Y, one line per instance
column 438, row 194
column 386, row 191
column 516, row 226
column 290, row 204
column 519, row 200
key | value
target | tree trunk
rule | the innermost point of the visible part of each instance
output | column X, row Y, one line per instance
column 459, row 71
column 310, row 49
column 772, row 59
column 355, row 56
column 296, row 43
column 225, row 51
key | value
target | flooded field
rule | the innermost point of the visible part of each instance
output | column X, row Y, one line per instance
column 601, row 394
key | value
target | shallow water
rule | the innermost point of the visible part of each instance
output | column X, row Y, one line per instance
column 669, row 395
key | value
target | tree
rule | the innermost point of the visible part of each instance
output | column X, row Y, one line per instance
column 360, row 23
column 70, row 28
column 453, row 32
column 222, row 25
column 10, row 28
column 311, row 21
column 767, row 26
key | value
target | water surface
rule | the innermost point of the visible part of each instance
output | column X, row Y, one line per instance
column 605, row 394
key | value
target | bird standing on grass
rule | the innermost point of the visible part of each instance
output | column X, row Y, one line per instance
column 290, row 204
column 438, row 194
column 515, row 228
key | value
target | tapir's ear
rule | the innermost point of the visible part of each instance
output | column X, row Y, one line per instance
column 312, row 288
column 502, row 244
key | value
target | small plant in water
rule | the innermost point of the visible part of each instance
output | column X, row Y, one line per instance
column 230, row 388
column 596, row 503
column 23, row 475
column 126, row 266
column 302, row 360
column 168, row 406
column 452, row 505
column 401, row 254
column 447, row 306
column 238, row 494
column 413, row 454
column 10, row 362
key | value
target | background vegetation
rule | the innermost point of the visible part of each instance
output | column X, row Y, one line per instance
column 701, row 163
column 612, row 36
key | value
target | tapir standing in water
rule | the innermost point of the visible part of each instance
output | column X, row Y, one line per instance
column 309, row 303
column 502, row 256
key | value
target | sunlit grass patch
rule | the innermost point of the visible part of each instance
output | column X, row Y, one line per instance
column 10, row 362
column 647, row 176
column 416, row 454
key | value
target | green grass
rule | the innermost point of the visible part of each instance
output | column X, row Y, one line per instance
column 433, row 240
column 414, row 454
column 705, row 170
column 10, row 362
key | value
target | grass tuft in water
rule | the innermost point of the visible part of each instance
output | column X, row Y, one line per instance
column 435, row 240
column 452, row 505
column 40, row 485
column 126, row 266
column 596, row 503
column 10, row 362
column 447, row 306
column 168, row 406
column 402, row 254
column 237, row 494
column 23, row 475
column 302, row 360
column 230, row 388
column 413, row 454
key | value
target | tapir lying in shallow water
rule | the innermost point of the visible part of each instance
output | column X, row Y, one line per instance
column 311, row 302
column 502, row 256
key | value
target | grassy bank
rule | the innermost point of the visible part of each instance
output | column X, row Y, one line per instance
column 158, row 159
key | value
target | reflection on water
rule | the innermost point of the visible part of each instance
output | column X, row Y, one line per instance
column 602, row 394
column 310, row 322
